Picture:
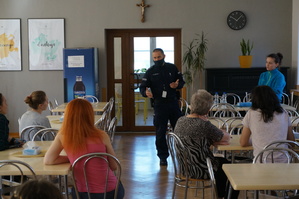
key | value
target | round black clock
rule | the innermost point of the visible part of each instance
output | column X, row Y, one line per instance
column 236, row 20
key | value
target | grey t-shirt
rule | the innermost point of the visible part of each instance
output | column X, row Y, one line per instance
column 33, row 118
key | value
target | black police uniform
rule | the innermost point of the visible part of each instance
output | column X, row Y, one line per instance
column 166, row 107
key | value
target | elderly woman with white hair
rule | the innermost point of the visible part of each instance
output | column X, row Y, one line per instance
column 198, row 135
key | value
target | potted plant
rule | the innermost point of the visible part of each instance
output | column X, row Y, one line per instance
column 194, row 59
column 246, row 59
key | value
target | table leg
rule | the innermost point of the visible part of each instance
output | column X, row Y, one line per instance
column 256, row 194
column 66, row 187
column 230, row 190
column 233, row 156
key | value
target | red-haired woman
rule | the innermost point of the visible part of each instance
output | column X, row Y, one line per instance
column 79, row 136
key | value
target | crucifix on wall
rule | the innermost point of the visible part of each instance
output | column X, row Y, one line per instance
column 142, row 5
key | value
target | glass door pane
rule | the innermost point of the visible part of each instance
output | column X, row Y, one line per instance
column 143, row 47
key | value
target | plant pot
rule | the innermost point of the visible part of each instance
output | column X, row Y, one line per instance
column 245, row 61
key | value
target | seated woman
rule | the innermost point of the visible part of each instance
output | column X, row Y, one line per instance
column 198, row 135
column 266, row 121
column 38, row 102
column 79, row 136
column 273, row 77
column 5, row 141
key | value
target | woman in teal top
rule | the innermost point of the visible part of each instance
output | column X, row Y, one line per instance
column 273, row 77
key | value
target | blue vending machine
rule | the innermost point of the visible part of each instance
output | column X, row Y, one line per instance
column 80, row 72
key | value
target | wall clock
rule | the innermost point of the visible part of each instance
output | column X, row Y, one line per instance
column 236, row 20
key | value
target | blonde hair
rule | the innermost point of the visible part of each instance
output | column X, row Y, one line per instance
column 78, row 125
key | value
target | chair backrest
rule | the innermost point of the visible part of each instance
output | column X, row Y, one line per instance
column 50, row 107
column 236, row 130
column 184, row 106
column 56, row 102
column 227, row 112
column 111, row 128
column 46, row 134
column 247, row 97
column 91, row 98
column 233, row 98
column 295, row 124
column 109, row 111
column 267, row 155
column 279, row 143
column 292, row 113
column 102, row 122
column 21, row 167
column 178, row 155
column 212, row 177
column 233, row 121
column 83, row 163
column 28, row 132
column 219, row 122
column 285, row 99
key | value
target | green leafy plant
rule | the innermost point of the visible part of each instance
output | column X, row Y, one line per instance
column 246, row 47
column 142, row 70
column 194, row 57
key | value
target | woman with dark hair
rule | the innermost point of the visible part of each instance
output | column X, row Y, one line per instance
column 38, row 102
column 266, row 121
column 273, row 77
column 5, row 140
column 79, row 136
column 37, row 189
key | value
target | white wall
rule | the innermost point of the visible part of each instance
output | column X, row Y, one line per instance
column 269, row 26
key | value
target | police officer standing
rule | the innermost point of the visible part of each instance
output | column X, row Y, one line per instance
column 160, row 83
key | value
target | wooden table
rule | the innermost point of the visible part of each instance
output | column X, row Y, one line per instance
column 234, row 146
column 97, row 107
column 277, row 176
column 56, row 122
column 37, row 163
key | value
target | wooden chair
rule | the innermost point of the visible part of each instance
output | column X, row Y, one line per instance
column 101, row 160
column 181, row 159
column 45, row 134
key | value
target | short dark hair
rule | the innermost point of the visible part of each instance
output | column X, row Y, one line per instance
column 277, row 57
column 37, row 189
column 158, row 50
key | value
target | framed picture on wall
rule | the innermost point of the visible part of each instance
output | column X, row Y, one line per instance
column 10, row 45
column 46, row 43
